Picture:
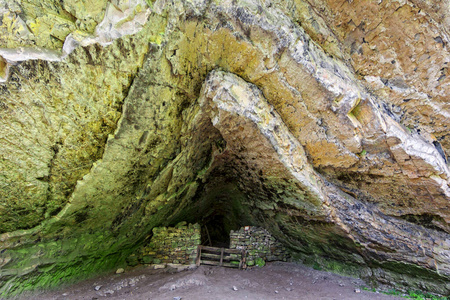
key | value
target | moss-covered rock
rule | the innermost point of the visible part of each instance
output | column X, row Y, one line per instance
column 121, row 116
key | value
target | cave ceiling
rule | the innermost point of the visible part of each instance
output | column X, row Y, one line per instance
column 325, row 122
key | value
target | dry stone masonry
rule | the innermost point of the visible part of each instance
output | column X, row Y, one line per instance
column 171, row 245
column 259, row 245
column 178, row 245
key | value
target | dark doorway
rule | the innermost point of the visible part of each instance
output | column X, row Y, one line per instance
column 214, row 232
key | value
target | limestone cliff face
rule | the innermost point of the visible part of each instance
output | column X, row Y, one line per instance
column 325, row 122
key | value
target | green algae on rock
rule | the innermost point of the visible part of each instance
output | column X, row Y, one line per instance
column 129, row 115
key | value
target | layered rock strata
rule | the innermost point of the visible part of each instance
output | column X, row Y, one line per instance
column 308, row 118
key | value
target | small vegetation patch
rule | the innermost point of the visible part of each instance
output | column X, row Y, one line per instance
column 417, row 295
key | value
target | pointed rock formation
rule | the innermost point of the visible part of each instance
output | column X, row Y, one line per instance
column 325, row 122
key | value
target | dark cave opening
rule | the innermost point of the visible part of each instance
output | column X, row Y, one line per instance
column 221, row 204
column 224, row 211
column 214, row 233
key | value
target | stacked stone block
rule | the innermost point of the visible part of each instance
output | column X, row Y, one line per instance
column 260, row 245
column 175, row 245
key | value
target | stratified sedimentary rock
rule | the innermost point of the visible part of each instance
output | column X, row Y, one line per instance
column 325, row 122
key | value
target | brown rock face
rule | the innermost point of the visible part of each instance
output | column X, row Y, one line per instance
column 325, row 122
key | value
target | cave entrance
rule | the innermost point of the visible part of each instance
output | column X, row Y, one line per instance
column 224, row 213
column 221, row 206
column 230, row 182
column 214, row 233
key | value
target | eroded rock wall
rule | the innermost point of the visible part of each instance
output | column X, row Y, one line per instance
column 325, row 122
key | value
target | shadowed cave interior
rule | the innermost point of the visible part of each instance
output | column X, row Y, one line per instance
column 233, row 187
column 221, row 205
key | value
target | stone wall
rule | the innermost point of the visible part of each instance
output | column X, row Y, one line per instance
column 175, row 245
column 261, row 246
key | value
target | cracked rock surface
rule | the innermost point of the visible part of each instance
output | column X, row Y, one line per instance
column 326, row 122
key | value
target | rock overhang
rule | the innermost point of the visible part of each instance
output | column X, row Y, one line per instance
column 181, row 132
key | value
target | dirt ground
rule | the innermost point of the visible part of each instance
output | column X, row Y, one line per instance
column 274, row 281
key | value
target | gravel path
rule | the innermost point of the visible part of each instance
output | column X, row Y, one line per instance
column 274, row 281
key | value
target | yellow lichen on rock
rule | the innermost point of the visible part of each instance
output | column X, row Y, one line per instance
column 308, row 118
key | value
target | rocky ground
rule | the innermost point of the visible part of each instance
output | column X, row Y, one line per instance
column 274, row 281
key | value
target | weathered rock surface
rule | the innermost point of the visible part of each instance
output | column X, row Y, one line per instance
column 325, row 122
